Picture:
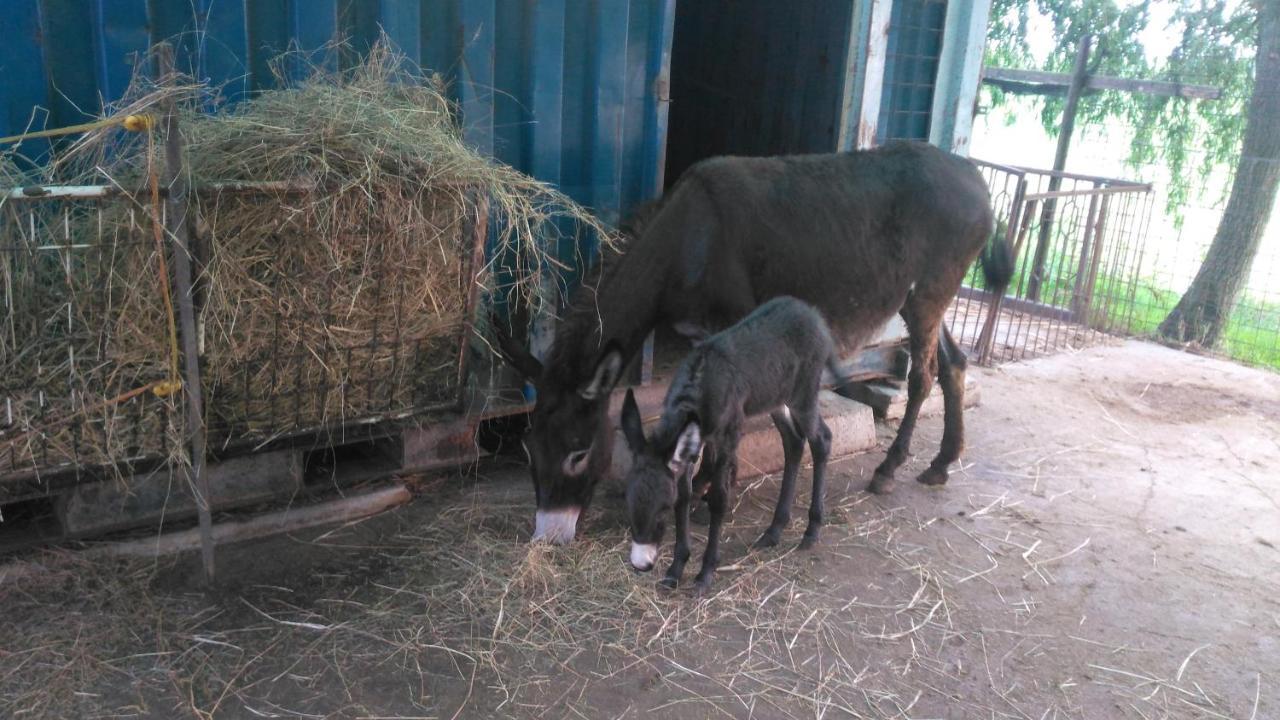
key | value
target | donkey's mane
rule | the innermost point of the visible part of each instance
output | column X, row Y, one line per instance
column 567, row 363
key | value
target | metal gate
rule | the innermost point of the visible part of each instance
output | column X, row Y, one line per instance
column 1079, row 254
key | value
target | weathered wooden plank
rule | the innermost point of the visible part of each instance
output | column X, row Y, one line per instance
column 994, row 76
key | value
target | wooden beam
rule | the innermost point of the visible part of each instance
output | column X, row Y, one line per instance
column 1056, row 84
column 959, row 70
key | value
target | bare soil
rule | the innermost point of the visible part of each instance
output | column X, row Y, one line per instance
column 1109, row 548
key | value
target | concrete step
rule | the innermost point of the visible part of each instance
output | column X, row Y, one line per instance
column 760, row 448
column 888, row 399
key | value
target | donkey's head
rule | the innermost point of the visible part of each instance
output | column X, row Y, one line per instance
column 656, row 469
column 568, row 440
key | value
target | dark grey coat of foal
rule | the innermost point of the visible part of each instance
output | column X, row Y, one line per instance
column 771, row 361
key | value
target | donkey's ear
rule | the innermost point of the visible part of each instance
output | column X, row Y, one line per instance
column 608, row 369
column 688, row 448
column 515, row 355
column 632, row 425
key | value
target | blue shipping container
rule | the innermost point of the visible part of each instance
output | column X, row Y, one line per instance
column 565, row 90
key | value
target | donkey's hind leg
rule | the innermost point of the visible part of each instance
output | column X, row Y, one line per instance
column 951, row 370
column 922, row 326
column 792, row 453
column 820, row 448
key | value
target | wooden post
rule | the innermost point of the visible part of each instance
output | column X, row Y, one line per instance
column 1099, row 237
column 1017, row 214
column 955, row 93
column 864, row 74
column 1079, row 77
column 1079, row 300
column 175, row 183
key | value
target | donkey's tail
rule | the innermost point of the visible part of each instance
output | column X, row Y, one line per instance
column 997, row 261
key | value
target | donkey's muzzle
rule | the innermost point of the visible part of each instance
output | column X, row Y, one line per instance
column 556, row 526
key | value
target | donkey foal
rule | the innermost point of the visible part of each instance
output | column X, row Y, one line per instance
column 771, row 361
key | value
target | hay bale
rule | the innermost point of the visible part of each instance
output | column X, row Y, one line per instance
column 343, row 301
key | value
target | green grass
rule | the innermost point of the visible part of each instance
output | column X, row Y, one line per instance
column 1252, row 334
column 1138, row 307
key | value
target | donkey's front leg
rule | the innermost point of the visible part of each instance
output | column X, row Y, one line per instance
column 681, row 554
column 717, row 501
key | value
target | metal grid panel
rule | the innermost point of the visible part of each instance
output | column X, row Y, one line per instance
column 1079, row 262
column 911, row 69
column 73, row 303
column 80, row 285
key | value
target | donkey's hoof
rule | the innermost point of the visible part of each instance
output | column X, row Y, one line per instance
column 702, row 587
column 668, row 583
column 767, row 540
column 808, row 541
column 932, row 476
column 881, row 484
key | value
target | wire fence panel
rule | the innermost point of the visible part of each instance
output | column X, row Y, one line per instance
column 912, row 56
column 80, row 287
column 302, row 338
column 1079, row 250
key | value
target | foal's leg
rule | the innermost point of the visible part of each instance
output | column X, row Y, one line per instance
column 792, row 453
column 923, row 330
column 717, row 500
column 681, row 554
column 820, row 448
column 951, row 369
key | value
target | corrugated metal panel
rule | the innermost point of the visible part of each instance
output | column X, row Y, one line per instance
column 757, row 77
column 561, row 89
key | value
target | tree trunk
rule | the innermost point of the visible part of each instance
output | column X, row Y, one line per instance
column 1202, row 313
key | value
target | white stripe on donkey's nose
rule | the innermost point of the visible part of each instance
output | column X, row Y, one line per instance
column 556, row 526
column 642, row 556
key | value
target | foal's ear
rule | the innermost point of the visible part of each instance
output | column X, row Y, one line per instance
column 688, row 448
column 632, row 425
column 608, row 369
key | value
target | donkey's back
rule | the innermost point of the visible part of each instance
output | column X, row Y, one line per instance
column 774, row 357
column 850, row 233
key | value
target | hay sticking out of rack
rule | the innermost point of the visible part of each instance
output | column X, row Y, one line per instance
column 338, row 291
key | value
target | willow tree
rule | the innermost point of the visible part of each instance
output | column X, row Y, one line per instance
column 1203, row 312
column 1218, row 43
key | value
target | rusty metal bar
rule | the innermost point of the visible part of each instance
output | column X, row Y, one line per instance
column 474, row 261
column 1088, row 192
column 174, row 179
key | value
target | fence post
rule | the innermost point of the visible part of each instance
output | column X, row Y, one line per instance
column 1079, row 293
column 1017, row 214
column 175, row 184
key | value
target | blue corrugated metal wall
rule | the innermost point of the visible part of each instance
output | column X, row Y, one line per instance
column 561, row 89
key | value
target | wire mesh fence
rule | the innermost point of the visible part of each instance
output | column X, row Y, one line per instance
column 282, row 356
column 912, row 54
column 78, row 278
column 1079, row 245
column 1179, row 229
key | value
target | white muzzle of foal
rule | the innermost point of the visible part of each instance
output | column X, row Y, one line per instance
column 556, row 526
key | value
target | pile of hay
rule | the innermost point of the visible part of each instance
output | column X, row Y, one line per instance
column 338, row 294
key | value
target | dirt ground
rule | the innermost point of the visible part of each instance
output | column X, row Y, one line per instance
column 1109, row 548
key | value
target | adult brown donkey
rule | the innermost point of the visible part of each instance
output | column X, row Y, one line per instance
column 858, row 235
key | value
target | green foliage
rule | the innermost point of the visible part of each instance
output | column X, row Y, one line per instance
column 1218, row 41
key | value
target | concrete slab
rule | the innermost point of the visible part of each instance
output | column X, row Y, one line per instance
column 888, row 399
column 107, row 506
